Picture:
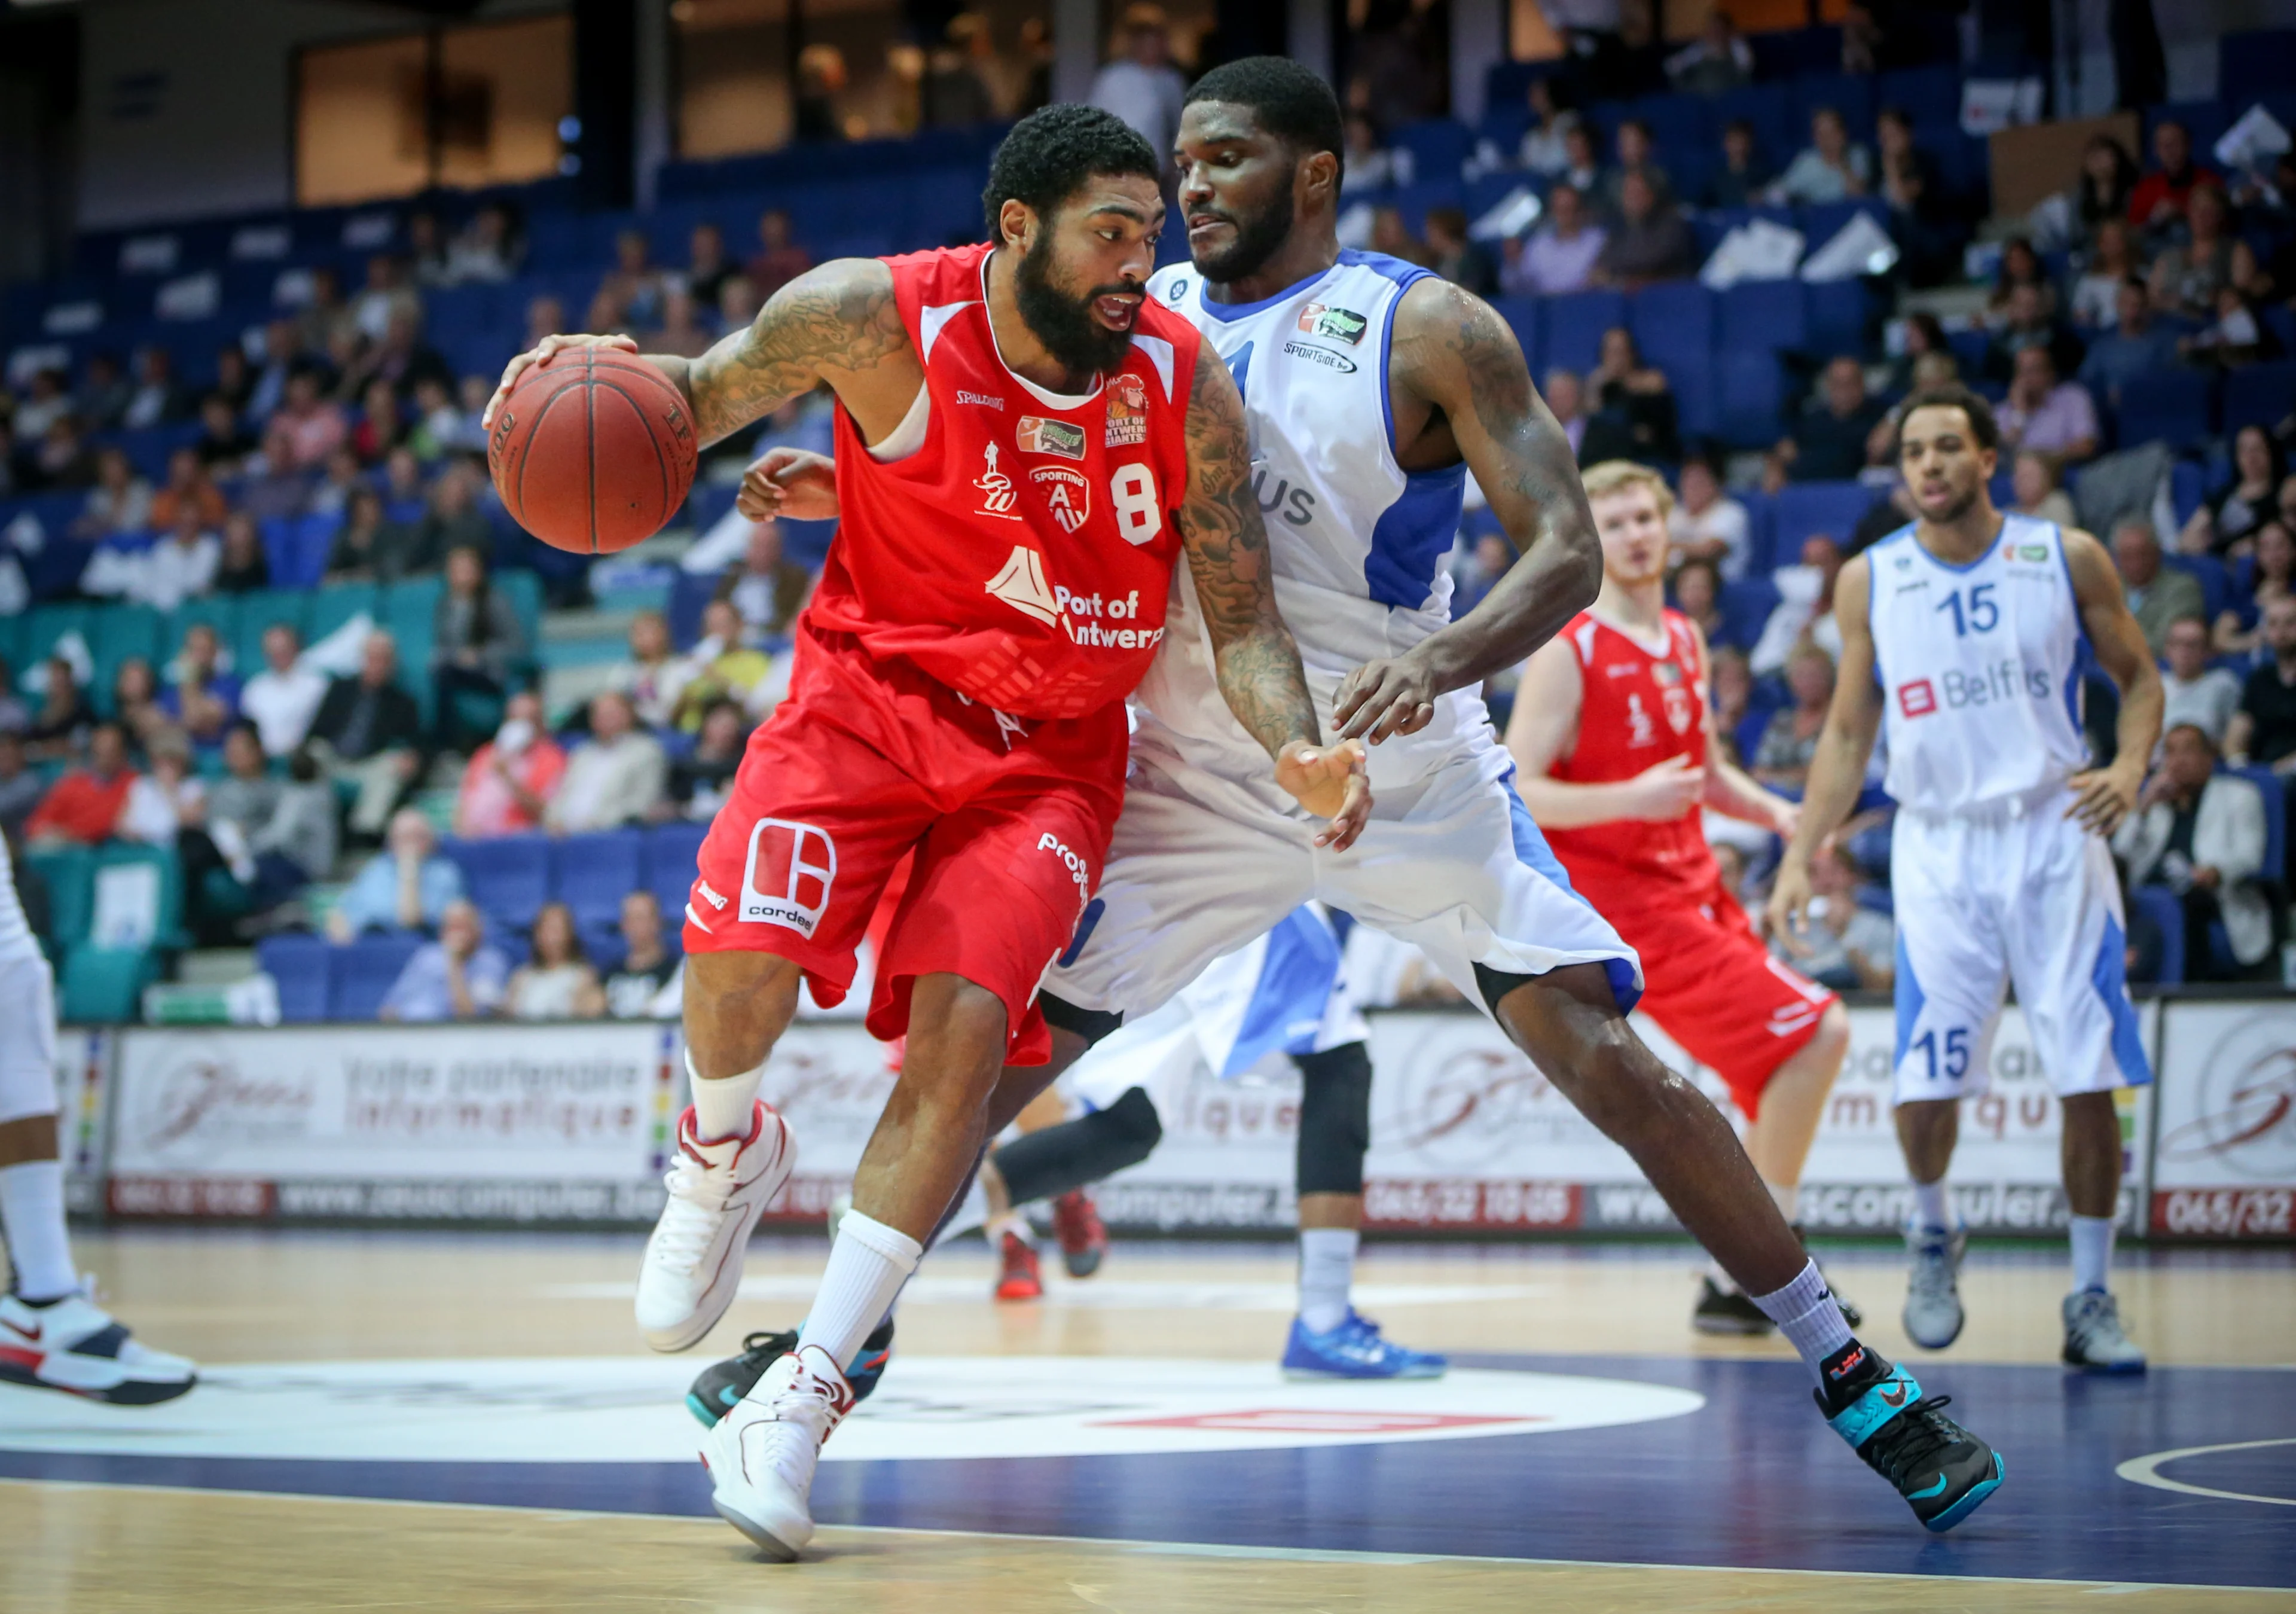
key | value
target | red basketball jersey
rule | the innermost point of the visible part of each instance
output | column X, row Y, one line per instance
column 1022, row 553
column 1637, row 707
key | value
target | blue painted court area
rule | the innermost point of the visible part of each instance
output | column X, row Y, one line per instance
column 1751, row 1479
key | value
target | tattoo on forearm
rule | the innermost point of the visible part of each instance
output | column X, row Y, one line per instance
column 1258, row 663
column 840, row 316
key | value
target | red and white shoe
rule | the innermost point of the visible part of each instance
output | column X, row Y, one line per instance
column 716, row 1192
column 1076, row 1223
column 75, row 1346
column 761, row 1455
column 1020, row 1277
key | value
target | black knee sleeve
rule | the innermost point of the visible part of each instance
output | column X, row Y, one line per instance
column 1090, row 1024
column 1047, row 1164
column 1335, row 1118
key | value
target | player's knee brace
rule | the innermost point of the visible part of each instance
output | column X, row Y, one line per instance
column 1047, row 1164
column 1335, row 1118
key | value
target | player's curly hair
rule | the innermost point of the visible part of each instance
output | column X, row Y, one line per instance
column 1051, row 152
column 1953, row 394
column 1290, row 102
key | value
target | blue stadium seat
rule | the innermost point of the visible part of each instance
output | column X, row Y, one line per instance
column 2158, row 904
column 2276, row 819
column 1679, row 126
column 1767, row 107
column 1524, row 317
column 301, row 966
column 258, row 611
column 508, row 876
column 1806, row 509
column 2259, row 394
column 1438, row 148
column 1839, row 313
column 671, row 850
column 1749, row 392
column 119, row 632
column 1925, row 95
column 2205, row 120
column 2215, row 581
column 1746, row 605
column 362, row 971
column 1575, row 324
column 1689, row 376
column 1851, row 94
column 2169, row 407
column 1757, row 314
column 595, row 871
column 2254, row 64
column 1672, row 322
column 337, row 603
column 47, row 625
column 218, row 611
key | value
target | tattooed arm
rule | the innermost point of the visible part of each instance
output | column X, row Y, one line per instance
column 836, row 324
column 1257, row 664
column 1452, row 351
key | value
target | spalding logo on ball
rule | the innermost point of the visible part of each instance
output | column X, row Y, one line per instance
column 594, row 451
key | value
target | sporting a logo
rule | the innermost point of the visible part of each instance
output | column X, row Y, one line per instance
column 1066, row 494
column 1339, row 324
column 997, row 494
column 2036, row 552
column 788, row 875
column 1127, row 412
column 1021, row 584
column 1037, row 435
column 1917, row 699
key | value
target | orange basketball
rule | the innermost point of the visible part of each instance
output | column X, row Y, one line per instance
column 593, row 452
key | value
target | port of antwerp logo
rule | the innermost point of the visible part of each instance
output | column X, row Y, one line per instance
column 1341, row 324
column 1021, row 584
column 1038, row 435
column 1066, row 494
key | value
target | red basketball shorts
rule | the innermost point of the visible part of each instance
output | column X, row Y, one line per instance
column 1711, row 986
column 868, row 760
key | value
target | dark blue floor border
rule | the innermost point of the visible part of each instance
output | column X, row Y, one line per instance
column 1753, row 1481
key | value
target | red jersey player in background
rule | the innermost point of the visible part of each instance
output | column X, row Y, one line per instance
column 1614, row 736
column 1025, row 447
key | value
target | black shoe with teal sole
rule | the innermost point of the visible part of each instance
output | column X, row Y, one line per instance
column 720, row 1388
column 1944, row 1473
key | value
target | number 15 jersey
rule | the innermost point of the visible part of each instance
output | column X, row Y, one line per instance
column 1980, row 667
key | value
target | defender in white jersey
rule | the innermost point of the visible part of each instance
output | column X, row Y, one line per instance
column 52, row 1335
column 1967, row 634
column 1371, row 389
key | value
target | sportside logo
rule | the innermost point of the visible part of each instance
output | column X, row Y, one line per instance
column 787, row 878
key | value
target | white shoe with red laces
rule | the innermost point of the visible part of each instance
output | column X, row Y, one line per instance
column 75, row 1346
column 761, row 1455
column 716, row 1192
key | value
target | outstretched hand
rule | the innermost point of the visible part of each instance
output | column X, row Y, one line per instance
column 793, row 482
column 1330, row 782
column 542, row 353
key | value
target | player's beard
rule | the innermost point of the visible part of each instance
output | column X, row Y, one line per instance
column 1956, row 507
column 1257, row 239
column 1062, row 323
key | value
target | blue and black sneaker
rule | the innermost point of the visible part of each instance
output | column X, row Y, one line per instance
column 1355, row 1349
column 1942, row 1470
column 720, row 1388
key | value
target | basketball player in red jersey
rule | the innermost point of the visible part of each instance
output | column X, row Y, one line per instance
column 1024, row 448
column 1614, row 740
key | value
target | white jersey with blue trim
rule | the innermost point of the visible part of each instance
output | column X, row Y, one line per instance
column 1980, row 668
column 16, row 938
column 1358, row 543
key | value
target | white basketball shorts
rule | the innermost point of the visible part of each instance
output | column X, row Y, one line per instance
column 1451, row 863
column 2019, row 894
column 28, row 1038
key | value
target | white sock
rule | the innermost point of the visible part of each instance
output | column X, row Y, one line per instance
column 1933, row 1206
column 1787, row 1196
column 2092, row 1252
column 32, row 1215
column 867, row 1266
column 1806, row 1312
column 1327, row 1266
column 724, row 1108
column 993, row 1229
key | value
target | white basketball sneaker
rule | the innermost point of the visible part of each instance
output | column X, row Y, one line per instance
column 75, row 1346
column 761, row 1455
column 716, row 1192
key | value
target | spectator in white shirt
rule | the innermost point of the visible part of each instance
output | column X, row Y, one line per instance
column 283, row 697
column 1543, row 150
column 1706, row 523
column 1560, row 255
column 1142, row 86
column 1831, row 168
column 615, row 779
column 2203, row 696
column 181, row 566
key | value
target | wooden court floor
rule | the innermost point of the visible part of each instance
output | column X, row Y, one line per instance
column 161, row 1532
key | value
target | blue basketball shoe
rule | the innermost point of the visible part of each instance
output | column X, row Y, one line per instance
column 720, row 1388
column 1355, row 1349
column 1942, row 1470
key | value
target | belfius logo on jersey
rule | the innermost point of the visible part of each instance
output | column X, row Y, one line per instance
column 1037, row 435
column 1066, row 494
column 786, row 880
column 1127, row 412
column 1954, row 690
column 1339, row 324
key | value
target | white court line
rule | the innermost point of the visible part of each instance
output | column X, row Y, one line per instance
column 1104, row 1294
column 1175, row 1548
column 2146, row 1471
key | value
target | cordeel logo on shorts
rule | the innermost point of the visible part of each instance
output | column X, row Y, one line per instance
column 1917, row 699
column 787, row 878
